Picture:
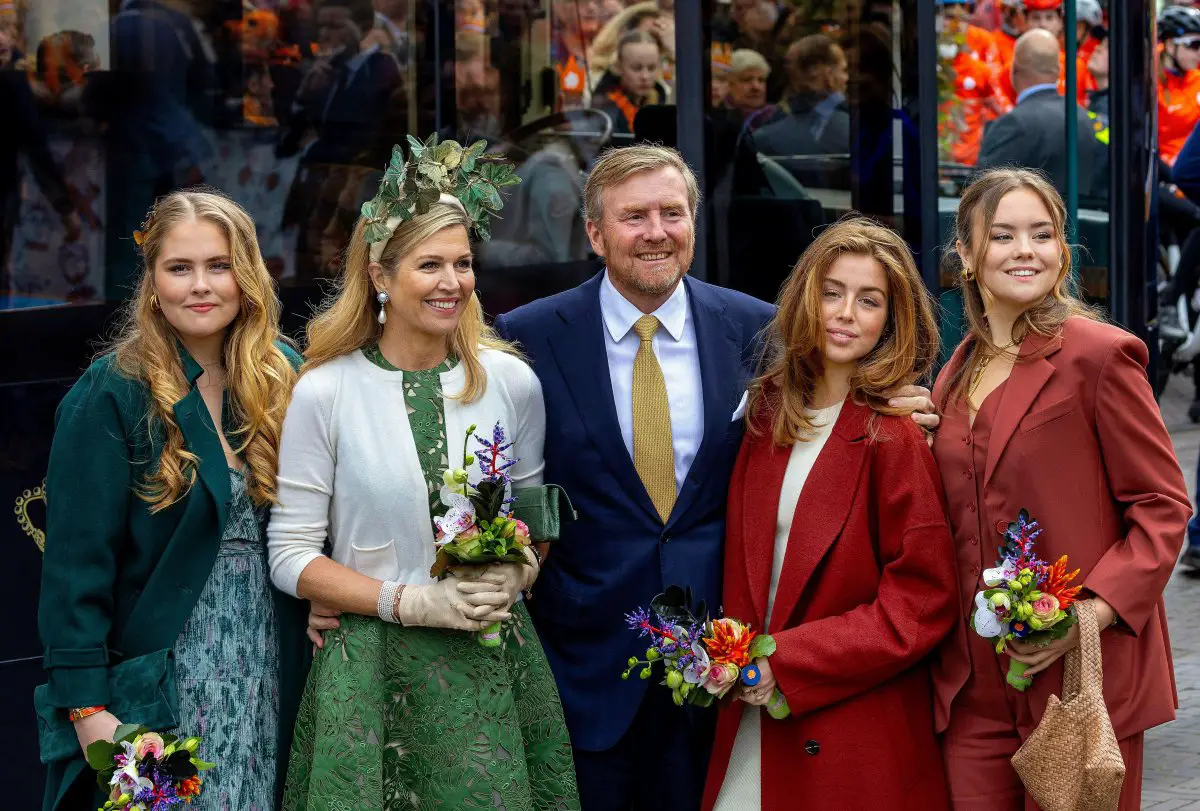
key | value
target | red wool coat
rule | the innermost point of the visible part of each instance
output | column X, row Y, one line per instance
column 867, row 590
column 1079, row 442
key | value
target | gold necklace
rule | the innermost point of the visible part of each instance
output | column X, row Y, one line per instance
column 982, row 367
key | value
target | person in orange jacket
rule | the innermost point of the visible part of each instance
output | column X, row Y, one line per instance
column 976, row 99
column 1178, row 79
column 1048, row 15
column 1013, row 23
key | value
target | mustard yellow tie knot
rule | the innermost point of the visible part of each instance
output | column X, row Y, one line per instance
column 645, row 327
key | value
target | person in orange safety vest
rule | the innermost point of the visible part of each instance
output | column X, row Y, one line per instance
column 966, row 56
column 1178, row 79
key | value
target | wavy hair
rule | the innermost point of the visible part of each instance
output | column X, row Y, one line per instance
column 794, row 353
column 259, row 376
column 346, row 321
column 976, row 213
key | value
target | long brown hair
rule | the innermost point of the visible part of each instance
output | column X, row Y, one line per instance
column 259, row 377
column 346, row 321
column 976, row 213
column 794, row 359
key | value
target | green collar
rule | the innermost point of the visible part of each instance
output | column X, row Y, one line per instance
column 373, row 354
column 191, row 367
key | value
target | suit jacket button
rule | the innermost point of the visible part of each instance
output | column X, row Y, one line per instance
column 812, row 747
column 665, row 538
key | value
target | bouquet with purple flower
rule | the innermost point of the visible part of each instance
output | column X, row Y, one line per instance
column 146, row 771
column 703, row 659
column 477, row 525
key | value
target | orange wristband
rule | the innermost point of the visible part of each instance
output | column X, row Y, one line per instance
column 79, row 713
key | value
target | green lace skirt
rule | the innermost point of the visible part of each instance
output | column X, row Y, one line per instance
column 418, row 718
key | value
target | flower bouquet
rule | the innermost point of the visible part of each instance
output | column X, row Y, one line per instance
column 146, row 771
column 477, row 525
column 1026, row 599
column 703, row 659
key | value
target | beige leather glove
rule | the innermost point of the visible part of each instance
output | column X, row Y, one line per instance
column 445, row 605
column 509, row 578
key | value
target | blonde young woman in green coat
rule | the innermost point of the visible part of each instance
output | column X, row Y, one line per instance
column 156, row 607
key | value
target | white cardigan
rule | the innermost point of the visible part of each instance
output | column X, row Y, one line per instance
column 348, row 467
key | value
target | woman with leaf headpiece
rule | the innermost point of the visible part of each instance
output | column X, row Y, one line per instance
column 405, row 707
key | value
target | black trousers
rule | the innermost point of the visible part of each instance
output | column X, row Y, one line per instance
column 659, row 765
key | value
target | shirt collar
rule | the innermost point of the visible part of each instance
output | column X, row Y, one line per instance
column 620, row 314
column 1037, row 88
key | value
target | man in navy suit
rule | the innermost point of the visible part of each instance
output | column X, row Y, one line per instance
column 633, row 748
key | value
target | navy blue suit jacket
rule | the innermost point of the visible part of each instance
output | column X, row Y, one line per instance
column 618, row 555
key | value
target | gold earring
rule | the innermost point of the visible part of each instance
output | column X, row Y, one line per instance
column 153, row 301
column 967, row 275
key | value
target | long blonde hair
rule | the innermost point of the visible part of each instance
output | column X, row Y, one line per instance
column 259, row 377
column 976, row 213
column 604, row 50
column 794, row 360
column 346, row 320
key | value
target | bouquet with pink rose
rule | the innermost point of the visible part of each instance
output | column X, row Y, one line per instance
column 703, row 659
column 1026, row 598
column 476, row 525
column 147, row 771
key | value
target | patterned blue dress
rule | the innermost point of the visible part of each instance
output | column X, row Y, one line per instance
column 227, row 663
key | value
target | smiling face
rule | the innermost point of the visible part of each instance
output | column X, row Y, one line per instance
column 854, row 309
column 1024, row 256
column 646, row 234
column 432, row 285
column 194, row 280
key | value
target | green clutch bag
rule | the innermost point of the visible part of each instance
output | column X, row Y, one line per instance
column 542, row 509
column 142, row 691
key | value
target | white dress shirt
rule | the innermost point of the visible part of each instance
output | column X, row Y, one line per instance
column 675, row 347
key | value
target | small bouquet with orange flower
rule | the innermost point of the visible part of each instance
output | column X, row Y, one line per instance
column 704, row 659
column 1026, row 598
column 146, row 771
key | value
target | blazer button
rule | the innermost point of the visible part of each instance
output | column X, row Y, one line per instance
column 968, row 475
column 812, row 747
column 1002, row 527
column 665, row 538
column 974, row 540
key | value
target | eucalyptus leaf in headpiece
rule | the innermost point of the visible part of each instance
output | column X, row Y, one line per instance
column 410, row 187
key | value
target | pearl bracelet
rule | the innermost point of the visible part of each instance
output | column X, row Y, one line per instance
column 385, row 606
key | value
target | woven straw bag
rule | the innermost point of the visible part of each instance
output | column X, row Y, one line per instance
column 1071, row 762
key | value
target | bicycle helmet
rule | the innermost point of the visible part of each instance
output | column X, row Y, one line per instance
column 1178, row 21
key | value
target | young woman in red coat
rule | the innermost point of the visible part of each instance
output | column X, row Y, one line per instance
column 1047, row 408
column 838, row 545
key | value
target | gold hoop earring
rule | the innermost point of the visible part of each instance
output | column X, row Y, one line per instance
column 967, row 274
column 154, row 301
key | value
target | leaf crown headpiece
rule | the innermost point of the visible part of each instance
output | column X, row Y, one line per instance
column 433, row 170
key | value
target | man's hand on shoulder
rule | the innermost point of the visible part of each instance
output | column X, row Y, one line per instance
column 919, row 401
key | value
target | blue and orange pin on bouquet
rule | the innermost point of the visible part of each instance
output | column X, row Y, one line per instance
column 147, row 771
column 704, row 659
column 1026, row 599
column 477, row 526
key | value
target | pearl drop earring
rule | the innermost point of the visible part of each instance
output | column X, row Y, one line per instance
column 382, row 297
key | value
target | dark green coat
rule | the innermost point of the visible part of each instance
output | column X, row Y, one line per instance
column 118, row 582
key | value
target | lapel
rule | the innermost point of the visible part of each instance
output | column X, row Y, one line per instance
column 760, row 507
column 1027, row 379
column 200, row 437
column 579, row 351
column 719, row 345
column 821, row 511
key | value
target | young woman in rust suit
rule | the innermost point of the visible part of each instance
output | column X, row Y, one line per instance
column 837, row 544
column 1047, row 408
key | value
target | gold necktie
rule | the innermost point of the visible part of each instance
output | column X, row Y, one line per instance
column 653, row 451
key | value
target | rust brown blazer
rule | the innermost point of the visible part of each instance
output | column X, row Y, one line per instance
column 1078, row 441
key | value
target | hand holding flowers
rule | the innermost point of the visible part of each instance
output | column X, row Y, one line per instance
column 477, row 527
column 146, row 771
column 1037, row 658
column 1027, row 604
column 705, row 660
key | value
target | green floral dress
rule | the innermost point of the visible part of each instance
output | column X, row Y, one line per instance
column 422, row 718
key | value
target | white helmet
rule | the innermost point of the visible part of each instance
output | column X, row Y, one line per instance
column 1015, row 5
column 1089, row 11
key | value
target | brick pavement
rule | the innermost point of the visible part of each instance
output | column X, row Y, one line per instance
column 1171, row 778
